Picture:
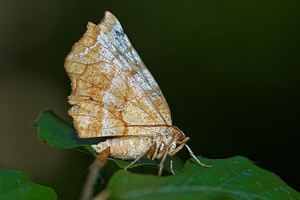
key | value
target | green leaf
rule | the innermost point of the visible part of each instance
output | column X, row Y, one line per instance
column 15, row 185
column 62, row 135
column 233, row 178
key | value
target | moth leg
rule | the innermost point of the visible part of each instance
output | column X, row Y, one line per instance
column 171, row 165
column 198, row 161
column 162, row 162
column 139, row 157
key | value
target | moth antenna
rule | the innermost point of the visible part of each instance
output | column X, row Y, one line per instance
column 193, row 155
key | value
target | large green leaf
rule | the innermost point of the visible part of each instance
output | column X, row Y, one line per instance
column 234, row 178
column 15, row 185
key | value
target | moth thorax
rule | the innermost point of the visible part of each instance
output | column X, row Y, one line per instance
column 177, row 135
column 165, row 141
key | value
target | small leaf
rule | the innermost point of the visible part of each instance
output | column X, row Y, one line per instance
column 234, row 178
column 62, row 135
column 15, row 185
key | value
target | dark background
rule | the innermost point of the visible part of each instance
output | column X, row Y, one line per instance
column 228, row 69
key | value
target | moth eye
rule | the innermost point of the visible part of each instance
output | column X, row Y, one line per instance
column 181, row 137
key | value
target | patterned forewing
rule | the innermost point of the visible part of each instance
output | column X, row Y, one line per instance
column 109, row 104
column 119, row 42
column 109, row 92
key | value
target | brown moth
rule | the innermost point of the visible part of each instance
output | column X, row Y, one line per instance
column 114, row 95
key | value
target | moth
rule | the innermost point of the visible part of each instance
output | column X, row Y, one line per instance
column 114, row 95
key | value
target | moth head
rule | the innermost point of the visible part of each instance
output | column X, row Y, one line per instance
column 180, row 134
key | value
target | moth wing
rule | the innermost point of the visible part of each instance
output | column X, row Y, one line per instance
column 112, row 90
